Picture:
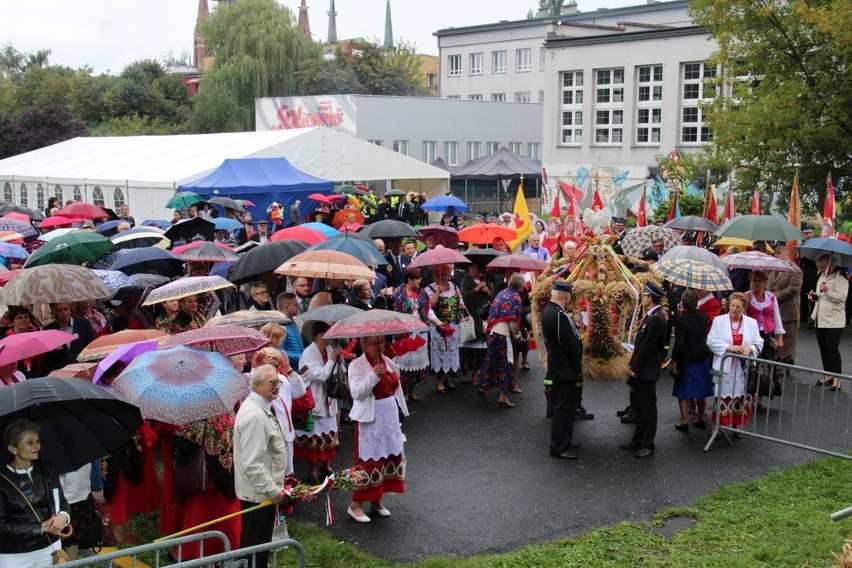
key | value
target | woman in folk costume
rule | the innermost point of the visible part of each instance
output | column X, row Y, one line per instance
column 413, row 358
column 734, row 333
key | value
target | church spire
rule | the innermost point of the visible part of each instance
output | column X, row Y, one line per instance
column 199, row 49
column 332, row 23
column 304, row 24
column 388, row 27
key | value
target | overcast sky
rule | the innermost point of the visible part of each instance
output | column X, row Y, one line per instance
column 109, row 34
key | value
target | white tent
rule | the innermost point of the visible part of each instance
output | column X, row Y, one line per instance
column 143, row 171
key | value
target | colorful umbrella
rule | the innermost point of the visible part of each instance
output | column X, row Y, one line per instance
column 439, row 255
column 637, row 240
column 103, row 346
column 375, row 322
column 187, row 286
column 348, row 215
column 326, row 264
column 139, row 237
column 445, row 202
column 351, row 190
column 245, row 202
column 366, row 253
column 9, row 236
column 114, row 363
column 115, row 280
column 80, row 422
column 389, row 229
column 24, row 229
column 485, row 233
column 207, row 252
column 249, row 318
column 74, row 248
column 839, row 251
column 693, row 253
column 147, row 259
column 326, row 230
column 84, row 210
column 53, row 283
column 329, row 313
column 756, row 260
column 446, row 236
column 184, row 199
column 693, row 274
column 760, row 228
column 310, row 236
column 517, row 261
column 181, row 385
column 692, row 223
column 13, row 251
column 20, row 346
column 226, row 224
column 329, row 199
column 6, row 276
column 225, row 339
column 265, row 258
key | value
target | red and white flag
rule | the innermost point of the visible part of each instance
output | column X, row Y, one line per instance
column 828, row 207
column 641, row 213
column 755, row 203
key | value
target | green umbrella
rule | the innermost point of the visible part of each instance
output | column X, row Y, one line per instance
column 183, row 199
column 760, row 228
column 350, row 190
column 73, row 248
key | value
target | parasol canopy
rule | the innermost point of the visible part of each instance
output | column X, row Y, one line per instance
column 485, row 233
column 74, row 248
column 186, row 286
column 181, row 385
column 760, row 228
column 53, row 283
column 439, row 255
column 375, row 322
column 637, row 240
column 756, row 260
column 326, row 264
column 693, row 274
column 839, row 251
column 225, row 339
column 103, row 346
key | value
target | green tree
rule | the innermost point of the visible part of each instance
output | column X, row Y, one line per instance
column 787, row 92
column 217, row 110
column 688, row 205
column 258, row 49
column 36, row 128
column 14, row 63
column 553, row 7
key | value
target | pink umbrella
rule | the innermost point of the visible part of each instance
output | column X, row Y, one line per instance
column 439, row 255
column 375, row 322
column 329, row 199
column 517, row 261
column 17, row 217
column 24, row 345
column 447, row 236
column 118, row 360
column 226, row 339
column 59, row 221
column 84, row 210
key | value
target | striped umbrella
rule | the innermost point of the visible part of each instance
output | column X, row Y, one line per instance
column 693, row 274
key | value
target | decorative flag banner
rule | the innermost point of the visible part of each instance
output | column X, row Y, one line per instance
column 642, row 214
column 710, row 210
column 794, row 213
column 828, row 206
column 674, row 212
column 572, row 226
column 730, row 205
column 522, row 218
column 755, row 203
column 555, row 210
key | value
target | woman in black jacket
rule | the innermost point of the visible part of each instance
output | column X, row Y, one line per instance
column 691, row 360
column 32, row 505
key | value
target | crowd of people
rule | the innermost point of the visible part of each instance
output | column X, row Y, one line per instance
column 288, row 421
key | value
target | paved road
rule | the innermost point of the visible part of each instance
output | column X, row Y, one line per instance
column 480, row 480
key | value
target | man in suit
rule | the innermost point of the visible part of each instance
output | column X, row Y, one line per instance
column 65, row 321
column 564, row 368
column 403, row 209
column 295, row 214
column 648, row 354
column 397, row 262
column 261, row 236
column 787, row 287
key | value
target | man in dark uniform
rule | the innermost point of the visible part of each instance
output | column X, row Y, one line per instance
column 618, row 230
column 810, row 275
column 564, row 368
column 648, row 355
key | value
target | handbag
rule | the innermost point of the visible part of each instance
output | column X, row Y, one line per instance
column 335, row 386
column 467, row 329
column 191, row 475
column 107, row 535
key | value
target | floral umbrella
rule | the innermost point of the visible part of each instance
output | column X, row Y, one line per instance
column 181, row 385
column 756, row 260
column 207, row 252
column 326, row 264
column 116, row 280
column 186, row 286
column 637, row 240
column 103, row 346
column 53, row 283
column 375, row 322
column 693, row 274
column 225, row 339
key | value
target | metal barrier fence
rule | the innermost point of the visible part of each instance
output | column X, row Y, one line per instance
column 803, row 415
column 245, row 557
column 130, row 556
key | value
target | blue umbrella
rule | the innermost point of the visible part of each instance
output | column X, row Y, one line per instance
column 115, row 280
column 322, row 228
column 13, row 251
column 840, row 252
column 221, row 269
column 444, row 202
column 108, row 226
column 366, row 253
column 131, row 261
column 226, row 224
column 156, row 223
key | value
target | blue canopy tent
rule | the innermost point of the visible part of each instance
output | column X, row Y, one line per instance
column 262, row 181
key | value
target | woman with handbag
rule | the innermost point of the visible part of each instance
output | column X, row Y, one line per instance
column 33, row 509
column 691, row 361
column 318, row 446
column 477, row 295
column 447, row 304
column 829, row 317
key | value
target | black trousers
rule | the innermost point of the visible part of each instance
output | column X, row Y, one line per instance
column 828, row 339
column 566, row 397
column 645, row 401
column 257, row 529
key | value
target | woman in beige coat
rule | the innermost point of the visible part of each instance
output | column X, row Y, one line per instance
column 829, row 316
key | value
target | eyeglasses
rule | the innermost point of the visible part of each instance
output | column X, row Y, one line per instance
column 274, row 383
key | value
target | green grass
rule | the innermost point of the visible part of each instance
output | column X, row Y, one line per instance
column 778, row 520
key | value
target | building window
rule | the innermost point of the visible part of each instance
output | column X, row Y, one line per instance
column 475, row 97
column 491, row 147
column 609, row 106
column 430, row 149
column 98, row 197
column 498, row 61
column 571, row 109
column 451, row 153
column 430, row 79
column 401, row 147
column 515, row 147
column 376, row 142
column 699, row 86
column 522, row 97
column 454, row 65
column 534, row 150
column 118, row 197
column 541, row 96
column 78, row 194
column 541, row 59
column 39, row 196
column 8, row 193
column 476, row 63
column 472, row 150
column 499, row 97
column 454, row 97
column 24, row 198
column 649, row 97
column 523, row 59
column 57, row 191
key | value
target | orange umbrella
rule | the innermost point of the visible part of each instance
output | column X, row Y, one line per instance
column 485, row 233
column 342, row 217
column 103, row 346
column 326, row 264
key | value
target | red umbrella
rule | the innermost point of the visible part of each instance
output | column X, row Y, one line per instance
column 21, row 346
column 6, row 276
column 375, row 322
column 329, row 199
column 447, row 236
column 485, row 233
column 309, row 236
column 84, row 210
column 225, row 339
column 517, row 261
column 16, row 216
column 439, row 255
column 59, row 221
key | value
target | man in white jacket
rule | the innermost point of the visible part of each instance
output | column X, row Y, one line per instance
column 260, row 459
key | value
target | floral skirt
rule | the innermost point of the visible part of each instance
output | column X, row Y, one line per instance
column 373, row 442
column 319, row 445
column 497, row 371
